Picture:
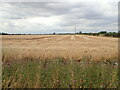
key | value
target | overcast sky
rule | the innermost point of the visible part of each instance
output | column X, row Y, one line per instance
column 59, row 17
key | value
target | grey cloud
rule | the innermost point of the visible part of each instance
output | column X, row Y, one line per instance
column 72, row 13
column 30, row 9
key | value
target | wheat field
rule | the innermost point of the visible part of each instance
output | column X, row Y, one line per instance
column 65, row 46
column 59, row 61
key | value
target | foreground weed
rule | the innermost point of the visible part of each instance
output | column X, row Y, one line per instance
column 60, row 73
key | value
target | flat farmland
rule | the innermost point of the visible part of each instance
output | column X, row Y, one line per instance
column 63, row 46
column 59, row 61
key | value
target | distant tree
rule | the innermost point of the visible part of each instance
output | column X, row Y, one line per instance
column 54, row 33
column 103, row 32
column 3, row 34
column 80, row 32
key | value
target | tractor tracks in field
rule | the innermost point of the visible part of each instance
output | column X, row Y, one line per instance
column 83, row 37
column 72, row 37
column 52, row 41
column 37, row 38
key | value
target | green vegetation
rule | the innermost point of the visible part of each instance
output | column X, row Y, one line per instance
column 102, row 33
column 3, row 34
column 60, row 73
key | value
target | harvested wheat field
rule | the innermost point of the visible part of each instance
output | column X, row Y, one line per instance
column 63, row 46
column 59, row 61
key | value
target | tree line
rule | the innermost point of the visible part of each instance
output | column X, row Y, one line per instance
column 101, row 33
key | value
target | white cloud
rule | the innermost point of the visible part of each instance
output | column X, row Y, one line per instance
column 58, row 17
column 45, row 21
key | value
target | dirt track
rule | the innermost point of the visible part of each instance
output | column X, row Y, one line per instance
column 67, row 46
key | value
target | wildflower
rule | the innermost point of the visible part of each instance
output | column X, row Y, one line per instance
column 116, row 64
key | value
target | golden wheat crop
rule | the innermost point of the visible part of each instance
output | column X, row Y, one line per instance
column 16, row 47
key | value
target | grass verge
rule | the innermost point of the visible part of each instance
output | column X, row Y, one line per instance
column 60, row 73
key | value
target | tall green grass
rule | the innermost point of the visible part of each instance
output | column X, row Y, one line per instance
column 60, row 73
